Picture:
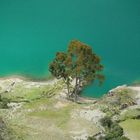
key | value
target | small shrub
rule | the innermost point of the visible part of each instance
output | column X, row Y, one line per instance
column 106, row 122
column 113, row 131
column 116, row 130
column 4, row 102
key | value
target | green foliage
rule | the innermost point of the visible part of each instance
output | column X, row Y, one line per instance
column 91, row 138
column 110, row 110
column 79, row 64
column 123, row 138
column 111, row 137
column 106, row 122
column 113, row 131
column 4, row 102
column 116, row 130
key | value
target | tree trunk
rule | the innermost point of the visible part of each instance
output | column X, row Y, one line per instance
column 73, row 95
column 76, row 90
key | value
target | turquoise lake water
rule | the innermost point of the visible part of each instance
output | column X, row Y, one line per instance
column 32, row 31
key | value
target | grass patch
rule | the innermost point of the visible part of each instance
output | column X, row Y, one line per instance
column 41, row 102
column 28, row 92
column 20, row 92
column 58, row 116
column 131, row 128
column 130, row 114
column 17, row 132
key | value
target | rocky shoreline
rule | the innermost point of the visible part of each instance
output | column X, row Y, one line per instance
column 40, row 109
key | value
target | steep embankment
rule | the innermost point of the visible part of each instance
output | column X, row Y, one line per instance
column 40, row 111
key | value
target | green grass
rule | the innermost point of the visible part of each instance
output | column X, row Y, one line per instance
column 17, row 132
column 58, row 116
column 131, row 128
column 41, row 102
column 130, row 114
column 44, row 115
column 20, row 92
